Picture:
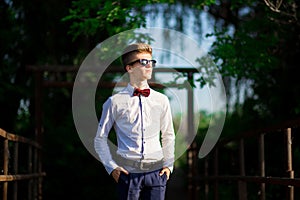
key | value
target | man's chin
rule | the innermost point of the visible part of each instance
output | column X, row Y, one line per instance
column 148, row 76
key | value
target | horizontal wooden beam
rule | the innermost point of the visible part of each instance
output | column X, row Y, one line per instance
column 111, row 69
column 271, row 180
column 17, row 177
column 68, row 84
column 52, row 68
column 256, row 132
column 18, row 138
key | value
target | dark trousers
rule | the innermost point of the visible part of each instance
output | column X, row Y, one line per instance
column 142, row 186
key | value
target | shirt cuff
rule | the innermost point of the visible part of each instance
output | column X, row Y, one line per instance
column 169, row 164
column 110, row 167
column 171, row 169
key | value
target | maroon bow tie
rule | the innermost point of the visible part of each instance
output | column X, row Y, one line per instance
column 144, row 92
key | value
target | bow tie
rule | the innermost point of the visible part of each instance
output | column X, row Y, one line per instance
column 144, row 92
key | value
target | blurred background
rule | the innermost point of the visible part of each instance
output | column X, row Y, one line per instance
column 255, row 45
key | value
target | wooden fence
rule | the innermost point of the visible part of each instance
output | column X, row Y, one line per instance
column 250, row 167
column 63, row 77
column 21, row 174
column 209, row 178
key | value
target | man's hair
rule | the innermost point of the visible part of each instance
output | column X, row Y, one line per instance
column 132, row 50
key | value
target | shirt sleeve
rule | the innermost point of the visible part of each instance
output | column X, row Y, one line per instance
column 101, row 142
column 167, row 135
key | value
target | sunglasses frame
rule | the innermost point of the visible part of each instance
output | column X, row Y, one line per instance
column 153, row 62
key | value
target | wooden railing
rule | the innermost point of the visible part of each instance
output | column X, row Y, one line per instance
column 21, row 174
column 245, row 168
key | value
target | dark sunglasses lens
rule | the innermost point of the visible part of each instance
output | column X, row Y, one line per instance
column 144, row 62
column 153, row 63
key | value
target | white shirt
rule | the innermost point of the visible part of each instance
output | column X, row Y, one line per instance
column 143, row 125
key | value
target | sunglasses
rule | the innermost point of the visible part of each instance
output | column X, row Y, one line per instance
column 144, row 62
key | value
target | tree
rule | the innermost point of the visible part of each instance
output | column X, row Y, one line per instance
column 262, row 49
column 257, row 44
column 33, row 33
column 251, row 40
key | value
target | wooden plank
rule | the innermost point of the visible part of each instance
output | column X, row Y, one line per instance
column 289, row 163
column 110, row 69
column 17, row 177
column 16, row 169
column 5, row 167
column 33, row 175
column 68, row 84
column 254, row 133
column 18, row 138
column 261, row 159
column 191, row 131
column 206, row 186
column 242, row 185
column 216, row 173
column 30, row 182
column 269, row 180
column 52, row 68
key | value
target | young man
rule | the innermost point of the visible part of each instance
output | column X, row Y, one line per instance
column 143, row 124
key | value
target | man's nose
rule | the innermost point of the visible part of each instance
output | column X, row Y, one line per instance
column 149, row 65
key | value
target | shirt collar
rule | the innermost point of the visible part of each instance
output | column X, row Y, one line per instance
column 130, row 88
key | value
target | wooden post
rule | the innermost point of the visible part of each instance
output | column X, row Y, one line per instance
column 190, row 174
column 206, row 185
column 39, row 124
column 242, row 184
column 36, row 170
column 191, row 131
column 5, row 167
column 30, row 182
column 261, row 159
column 216, row 172
column 288, row 136
column 16, row 167
column 195, row 171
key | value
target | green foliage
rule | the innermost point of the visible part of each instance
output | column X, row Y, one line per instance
column 252, row 43
column 252, row 46
column 208, row 71
column 95, row 17
column 247, row 53
column 91, row 17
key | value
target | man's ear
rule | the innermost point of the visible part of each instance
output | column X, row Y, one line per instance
column 128, row 68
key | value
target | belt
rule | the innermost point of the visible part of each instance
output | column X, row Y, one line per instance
column 140, row 165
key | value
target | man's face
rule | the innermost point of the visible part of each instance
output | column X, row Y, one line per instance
column 137, row 70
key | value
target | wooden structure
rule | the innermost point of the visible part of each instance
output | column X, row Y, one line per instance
column 201, row 184
column 213, row 176
column 64, row 76
column 21, row 163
